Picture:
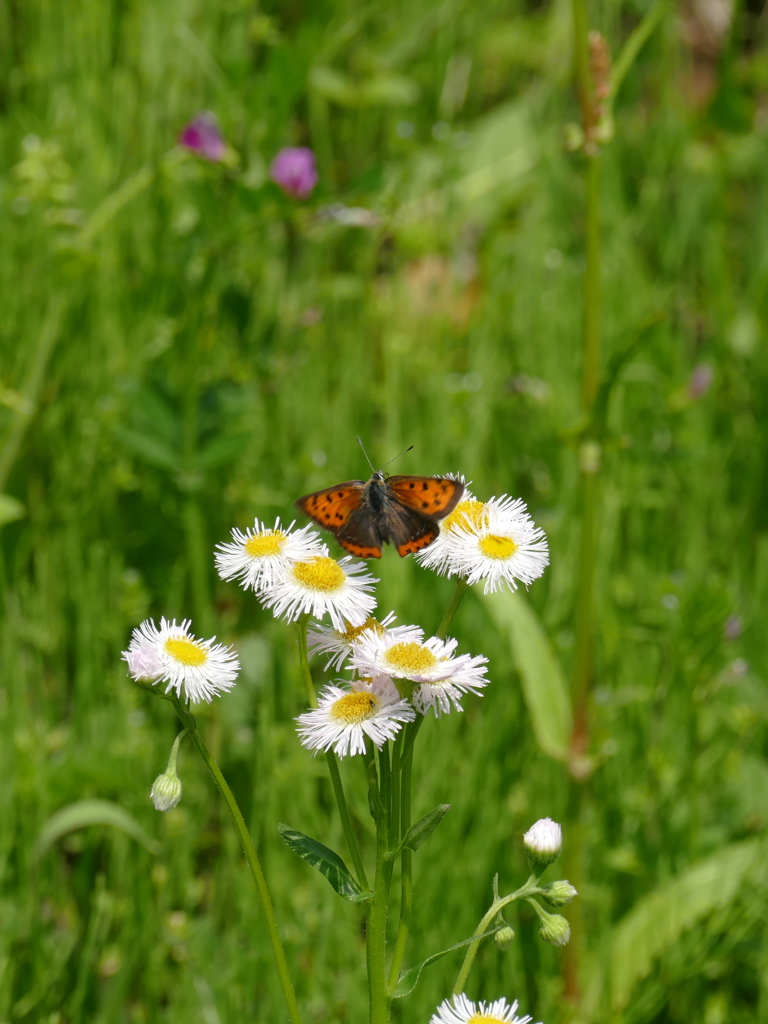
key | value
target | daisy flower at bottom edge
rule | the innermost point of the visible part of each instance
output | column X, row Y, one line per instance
column 344, row 717
column 171, row 654
column 460, row 1010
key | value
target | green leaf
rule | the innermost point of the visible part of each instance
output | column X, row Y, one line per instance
column 11, row 509
column 409, row 979
column 423, row 829
column 544, row 686
column 92, row 812
column 326, row 862
column 657, row 920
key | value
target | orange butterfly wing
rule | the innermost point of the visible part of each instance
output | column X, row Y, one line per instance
column 332, row 507
column 433, row 496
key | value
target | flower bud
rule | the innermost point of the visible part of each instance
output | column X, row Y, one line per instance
column 504, row 937
column 557, row 894
column 166, row 790
column 554, row 929
column 542, row 843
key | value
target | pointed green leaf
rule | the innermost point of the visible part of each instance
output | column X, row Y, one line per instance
column 423, row 829
column 326, row 862
column 657, row 920
column 92, row 812
column 409, row 979
column 544, row 686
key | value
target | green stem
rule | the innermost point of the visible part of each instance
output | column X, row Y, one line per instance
column 584, row 652
column 404, row 768
column 635, row 43
column 24, row 412
column 461, row 588
column 306, row 674
column 376, row 932
column 406, row 856
column 530, row 888
column 330, row 757
column 251, row 856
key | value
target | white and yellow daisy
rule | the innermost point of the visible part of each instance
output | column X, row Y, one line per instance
column 340, row 643
column 322, row 586
column 255, row 557
column 436, row 557
column 345, row 717
column 501, row 546
column 442, row 678
column 460, row 1010
column 201, row 668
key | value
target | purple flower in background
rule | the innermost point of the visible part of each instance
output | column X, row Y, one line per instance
column 294, row 171
column 701, row 380
column 202, row 137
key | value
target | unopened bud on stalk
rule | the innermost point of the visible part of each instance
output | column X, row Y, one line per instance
column 167, row 789
column 554, row 929
column 542, row 843
column 504, row 937
column 557, row 894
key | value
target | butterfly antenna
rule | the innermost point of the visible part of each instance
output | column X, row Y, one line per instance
column 408, row 449
column 365, row 453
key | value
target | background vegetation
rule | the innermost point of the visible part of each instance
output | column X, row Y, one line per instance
column 185, row 348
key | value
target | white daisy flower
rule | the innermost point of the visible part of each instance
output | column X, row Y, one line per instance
column 469, row 510
column 344, row 717
column 201, row 668
column 442, row 677
column 339, row 644
column 255, row 557
column 322, row 586
column 501, row 546
column 460, row 1010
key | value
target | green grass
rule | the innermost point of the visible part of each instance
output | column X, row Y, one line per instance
column 209, row 350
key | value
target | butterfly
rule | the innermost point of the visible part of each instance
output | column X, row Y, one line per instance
column 401, row 510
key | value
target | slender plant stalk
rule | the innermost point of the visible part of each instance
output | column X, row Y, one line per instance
column 404, row 751
column 529, row 889
column 330, row 757
column 583, row 661
column 251, row 856
column 460, row 590
column 22, row 416
column 376, row 933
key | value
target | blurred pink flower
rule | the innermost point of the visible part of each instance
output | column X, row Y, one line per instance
column 294, row 171
column 203, row 138
column 701, row 380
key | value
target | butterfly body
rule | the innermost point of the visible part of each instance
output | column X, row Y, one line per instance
column 399, row 510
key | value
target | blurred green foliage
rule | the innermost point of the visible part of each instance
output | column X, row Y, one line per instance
column 185, row 348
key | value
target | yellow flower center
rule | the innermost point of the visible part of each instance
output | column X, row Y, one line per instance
column 263, row 544
column 188, row 652
column 483, row 1018
column 471, row 509
column 321, row 573
column 354, row 707
column 497, row 547
column 351, row 633
column 410, row 657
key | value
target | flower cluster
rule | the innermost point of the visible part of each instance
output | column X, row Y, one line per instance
column 397, row 672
